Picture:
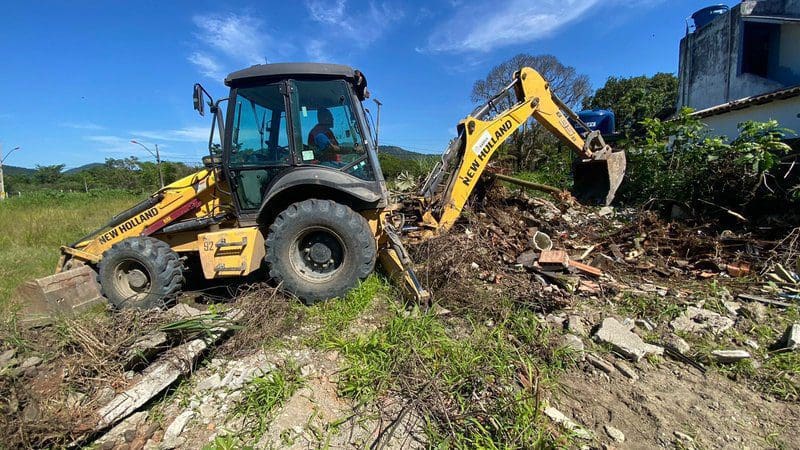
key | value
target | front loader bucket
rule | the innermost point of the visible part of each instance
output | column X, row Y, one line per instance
column 67, row 292
column 596, row 180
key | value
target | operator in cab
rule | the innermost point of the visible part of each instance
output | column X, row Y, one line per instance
column 322, row 137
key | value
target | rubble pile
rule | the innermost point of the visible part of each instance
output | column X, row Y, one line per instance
column 542, row 254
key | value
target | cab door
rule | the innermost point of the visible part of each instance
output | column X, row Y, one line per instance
column 259, row 147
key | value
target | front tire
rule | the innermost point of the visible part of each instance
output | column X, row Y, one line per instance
column 319, row 249
column 140, row 272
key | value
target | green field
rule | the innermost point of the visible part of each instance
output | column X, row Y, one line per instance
column 32, row 228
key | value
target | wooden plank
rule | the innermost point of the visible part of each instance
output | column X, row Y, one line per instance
column 585, row 268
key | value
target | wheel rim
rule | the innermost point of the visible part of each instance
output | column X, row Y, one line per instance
column 317, row 254
column 132, row 280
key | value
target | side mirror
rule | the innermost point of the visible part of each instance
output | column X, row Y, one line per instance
column 197, row 97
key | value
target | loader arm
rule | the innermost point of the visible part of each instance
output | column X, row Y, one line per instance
column 452, row 181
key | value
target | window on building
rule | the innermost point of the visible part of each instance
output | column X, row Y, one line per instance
column 760, row 42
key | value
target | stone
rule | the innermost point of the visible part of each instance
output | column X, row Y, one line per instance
column 105, row 395
column 184, row 311
column 30, row 362
column 678, row 343
column 615, row 434
column 555, row 321
column 209, row 383
column 730, row 356
column 683, row 437
column 74, row 399
column 754, row 311
column 752, row 344
column 600, row 363
column 572, row 342
column 124, row 432
column 732, row 307
column 791, row 338
column 567, row 423
column 624, row 341
column 644, row 324
column 31, row 412
column 605, row 211
column 697, row 320
column 526, row 259
column 173, row 432
column 576, row 326
column 7, row 358
column 626, row 370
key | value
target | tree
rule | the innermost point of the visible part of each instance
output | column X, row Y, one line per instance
column 532, row 146
column 48, row 174
column 635, row 99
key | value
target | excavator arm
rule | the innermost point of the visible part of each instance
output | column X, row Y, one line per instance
column 598, row 172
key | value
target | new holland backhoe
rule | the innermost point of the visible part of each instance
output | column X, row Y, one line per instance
column 292, row 182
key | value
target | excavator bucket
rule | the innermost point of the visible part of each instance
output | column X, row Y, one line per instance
column 596, row 180
column 67, row 292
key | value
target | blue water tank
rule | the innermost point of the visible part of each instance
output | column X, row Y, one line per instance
column 602, row 120
column 704, row 16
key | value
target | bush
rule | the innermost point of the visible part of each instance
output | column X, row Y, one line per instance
column 679, row 161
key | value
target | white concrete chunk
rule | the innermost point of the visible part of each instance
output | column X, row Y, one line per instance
column 624, row 341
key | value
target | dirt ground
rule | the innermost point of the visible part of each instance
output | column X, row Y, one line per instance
column 713, row 410
column 651, row 273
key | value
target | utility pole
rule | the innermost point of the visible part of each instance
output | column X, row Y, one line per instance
column 2, row 160
column 377, row 122
column 157, row 156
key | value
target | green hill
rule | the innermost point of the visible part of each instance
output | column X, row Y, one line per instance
column 15, row 170
column 399, row 152
column 83, row 167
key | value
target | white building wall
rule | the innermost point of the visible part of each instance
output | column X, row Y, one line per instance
column 786, row 112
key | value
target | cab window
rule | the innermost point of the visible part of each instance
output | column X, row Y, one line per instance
column 328, row 128
column 259, row 142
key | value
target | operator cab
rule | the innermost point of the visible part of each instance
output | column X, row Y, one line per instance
column 291, row 125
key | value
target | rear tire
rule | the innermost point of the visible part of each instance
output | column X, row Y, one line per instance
column 140, row 272
column 319, row 249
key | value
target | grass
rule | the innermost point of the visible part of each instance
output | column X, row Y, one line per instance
column 35, row 226
column 264, row 394
column 335, row 315
column 476, row 384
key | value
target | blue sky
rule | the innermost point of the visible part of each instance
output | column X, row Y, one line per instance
column 80, row 79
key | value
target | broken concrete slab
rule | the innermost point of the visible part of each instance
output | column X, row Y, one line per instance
column 177, row 362
column 527, row 259
column 145, row 348
column 568, row 424
column 625, row 342
column 697, row 320
column 120, row 434
column 730, row 356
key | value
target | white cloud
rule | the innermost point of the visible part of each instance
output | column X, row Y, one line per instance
column 82, row 125
column 207, row 65
column 512, row 22
column 229, row 41
column 187, row 134
column 112, row 144
column 315, row 49
column 349, row 27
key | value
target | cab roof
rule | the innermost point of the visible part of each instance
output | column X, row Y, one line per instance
column 269, row 72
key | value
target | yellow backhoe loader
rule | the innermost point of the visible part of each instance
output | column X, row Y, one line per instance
column 293, row 182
